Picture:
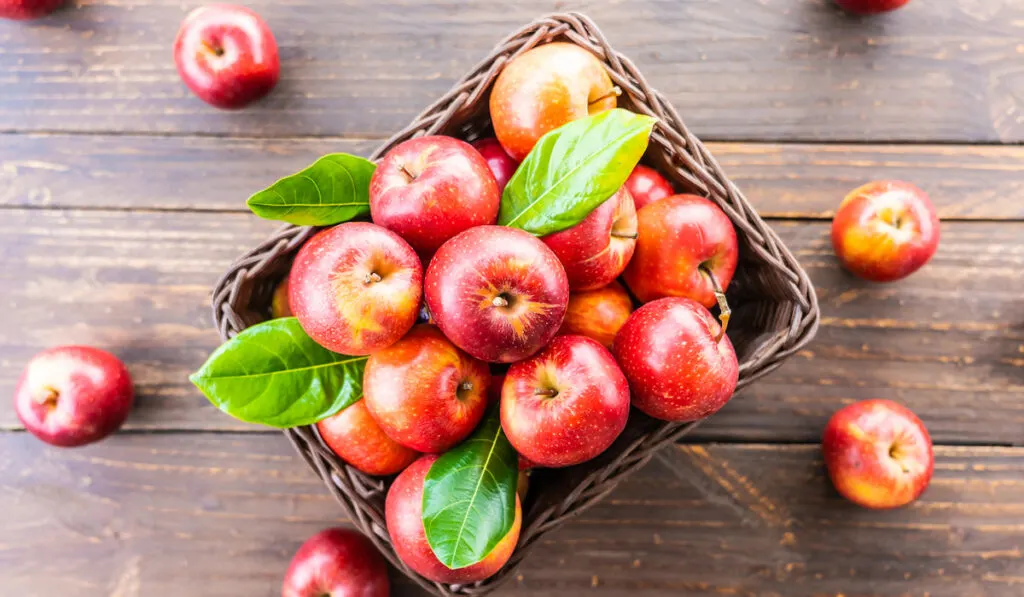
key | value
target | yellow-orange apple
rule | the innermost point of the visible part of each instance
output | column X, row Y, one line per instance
column 357, row 439
column 597, row 314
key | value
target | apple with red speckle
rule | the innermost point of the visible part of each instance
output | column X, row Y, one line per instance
column 226, row 55
column 647, row 186
column 73, row 395
column 498, row 160
column 22, row 10
column 878, row 454
column 429, row 189
column 357, row 439
column 598, row 314
column 337, row 563
column 679, row 363
column 565, row 405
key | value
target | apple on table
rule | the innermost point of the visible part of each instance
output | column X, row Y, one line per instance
column 870, row 7
column 21, row 10
column 337, row 562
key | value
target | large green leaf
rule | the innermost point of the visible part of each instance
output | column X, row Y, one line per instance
column 335, row 189
column 573, row 169
column 469, row 496
column 274, row 374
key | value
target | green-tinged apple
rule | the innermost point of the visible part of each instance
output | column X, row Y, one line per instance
column 597, row 314
column 429, row 189
column 595, row 251
column 357, row 439
column 878, row 454
column 498, row 293
column 684, row 239
column 337, row 563
column 22, row 10
column 356, row 288
column 885, row 230
column 226, row 55
column 73, row 395
column 498, row 160
column 647, row 186
column 403, row 511
column 679, row 365
column 565, row 405
column 425, row 393
column 545, row 88
column 870, row 7
column 279, row 305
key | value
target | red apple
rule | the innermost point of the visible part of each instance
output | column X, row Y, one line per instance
column 357, row 439
column 878, row 454
column 567, row 404
column 356, row 288
column 498, row 160
column 337, row 563
column 647, row 186
column 403, row 511
column 279, row 305
column 226, row 55
column 20, row 10
column 595, row 251
column 885, row 230
column 679, row 366
column 682, row 238
column 597, row 314
column 73, row 395
column 429, row 189
column 545, row 88
column 870, row 7
column 498, row 293
column 425, row 393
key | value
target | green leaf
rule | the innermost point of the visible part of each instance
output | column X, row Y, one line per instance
column 469, row 496
column 335, row 189
column 274, row 374
column 573, row 169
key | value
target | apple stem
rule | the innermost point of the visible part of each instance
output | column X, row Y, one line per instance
column 215, row 50
column 546, row 392
column 499, row 301
column 626, row 235
column 47, row 397
column 371, row 278
column 615, row 92
column 405, row 171
column 723, row 305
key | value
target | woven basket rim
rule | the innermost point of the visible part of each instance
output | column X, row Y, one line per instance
column 690, row 163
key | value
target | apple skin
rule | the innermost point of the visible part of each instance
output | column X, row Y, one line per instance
column 356, row 288
column 885, row 230
column 545, row 88
column 337, row 563
column 597, row 314
column 403, row 511
column 595, row 251
column 498, row 293
column 677, row 371
column 226, row 55
column 357, row 439
column 23, row 10
column 878, row 454
column 565, row 405
column 279, row 304
column 678, row 234
column 870, row 7
column 429, row 189
column 498, row 160
column 425, row 393
column 70, row 396
column 647, row 186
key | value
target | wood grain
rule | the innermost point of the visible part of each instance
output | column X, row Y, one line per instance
column 947, row 341
column 221, row 515
column 198, row 173
column 944, row 70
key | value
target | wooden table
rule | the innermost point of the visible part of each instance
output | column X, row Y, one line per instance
column 122, row 199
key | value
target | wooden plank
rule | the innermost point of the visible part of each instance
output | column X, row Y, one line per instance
column 782, row 180
column 944, row 341
column 747, row 69
column 158, row 514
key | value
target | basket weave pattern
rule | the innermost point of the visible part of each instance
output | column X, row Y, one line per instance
column 775, row 311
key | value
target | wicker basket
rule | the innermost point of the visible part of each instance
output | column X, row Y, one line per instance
column 775, row 310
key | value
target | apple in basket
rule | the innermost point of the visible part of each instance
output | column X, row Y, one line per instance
column 598, row 314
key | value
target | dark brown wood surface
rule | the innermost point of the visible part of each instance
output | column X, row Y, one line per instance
column 939, row 70
column 122, row 199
